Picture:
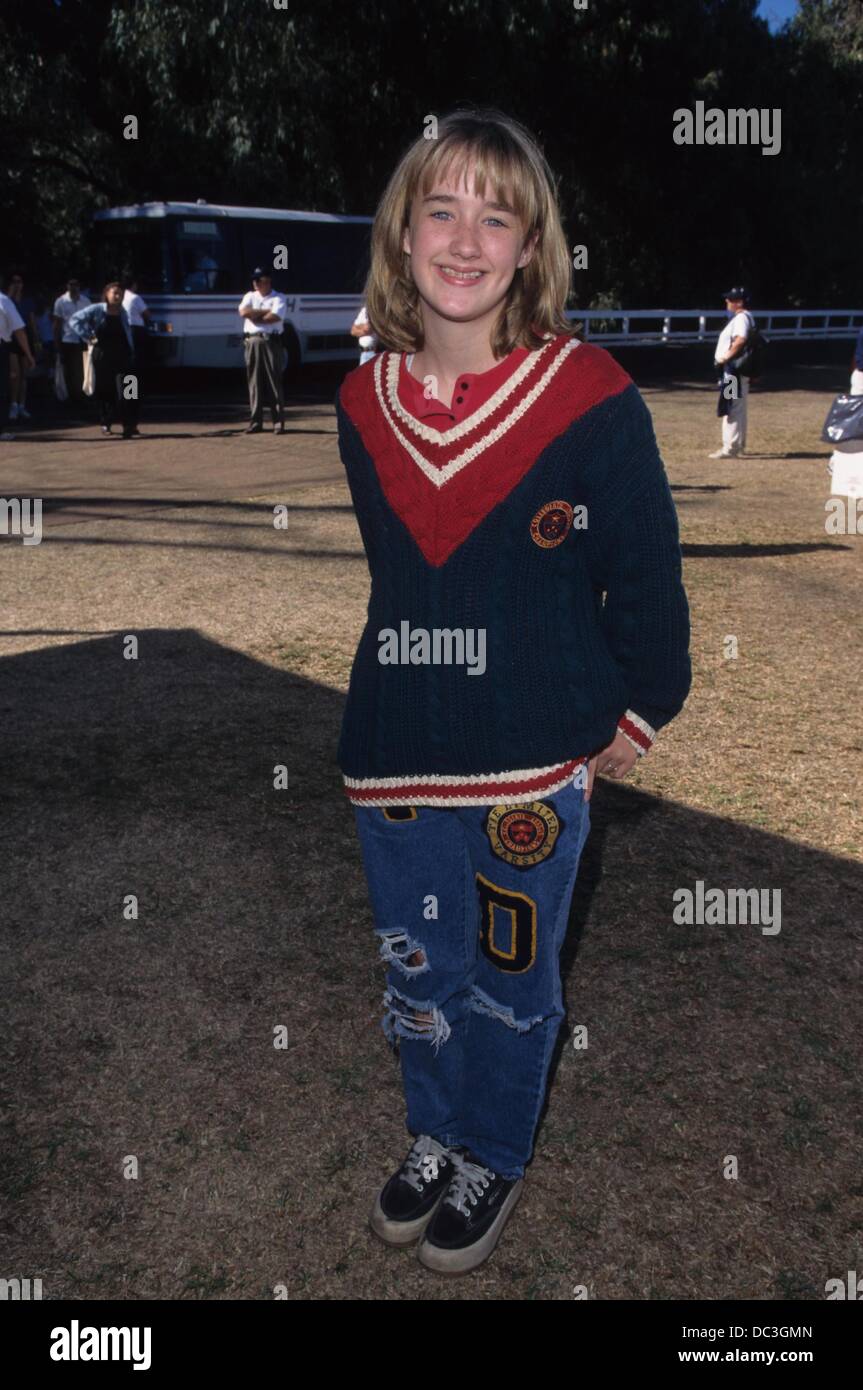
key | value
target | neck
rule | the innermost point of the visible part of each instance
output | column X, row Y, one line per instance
column 452, row 348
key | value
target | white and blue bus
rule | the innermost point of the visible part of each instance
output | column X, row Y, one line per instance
column 193, row 263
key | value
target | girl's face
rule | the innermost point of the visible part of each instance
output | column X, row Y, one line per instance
column 464, row 251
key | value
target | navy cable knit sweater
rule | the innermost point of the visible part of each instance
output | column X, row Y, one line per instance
column 543, row 521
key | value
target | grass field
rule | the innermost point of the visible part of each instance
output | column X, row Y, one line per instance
column 151, row 1039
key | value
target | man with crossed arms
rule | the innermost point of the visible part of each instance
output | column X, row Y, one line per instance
column 263, row 311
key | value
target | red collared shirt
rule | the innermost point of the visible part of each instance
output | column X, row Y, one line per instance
column 471, row 391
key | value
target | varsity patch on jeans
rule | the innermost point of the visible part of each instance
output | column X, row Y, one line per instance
column 552, row 523
column 523, row 835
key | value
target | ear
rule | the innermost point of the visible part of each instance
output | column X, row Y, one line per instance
column 406, row 240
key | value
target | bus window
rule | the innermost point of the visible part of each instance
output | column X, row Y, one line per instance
column 133, row 247
column 335, row 258
column 323, row 257
column 203, row 256
column 260, row 240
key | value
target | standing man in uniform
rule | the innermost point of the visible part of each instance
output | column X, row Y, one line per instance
column 729, row 345
column 263, row 312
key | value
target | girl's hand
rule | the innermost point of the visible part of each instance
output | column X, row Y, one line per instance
column 616, row 759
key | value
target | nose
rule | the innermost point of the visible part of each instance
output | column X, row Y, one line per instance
column 465, row 242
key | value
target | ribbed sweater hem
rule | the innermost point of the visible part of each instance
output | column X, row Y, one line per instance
column 480, row 789
column 483, row 789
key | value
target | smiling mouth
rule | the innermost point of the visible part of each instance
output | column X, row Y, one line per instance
column 460, row 277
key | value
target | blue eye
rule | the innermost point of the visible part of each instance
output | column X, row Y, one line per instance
column 444, row 212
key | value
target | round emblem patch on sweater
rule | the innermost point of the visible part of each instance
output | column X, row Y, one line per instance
column 523, row 835
column 552, row 523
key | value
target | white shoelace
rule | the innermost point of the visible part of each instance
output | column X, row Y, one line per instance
column 423, row 1162
column 469, row 1183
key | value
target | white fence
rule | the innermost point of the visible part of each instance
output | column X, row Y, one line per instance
column 649, row 327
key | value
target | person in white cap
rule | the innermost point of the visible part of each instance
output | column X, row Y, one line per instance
column 263, row 312
column 734, row 387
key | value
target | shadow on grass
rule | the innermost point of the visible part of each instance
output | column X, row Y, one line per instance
column 166, row 911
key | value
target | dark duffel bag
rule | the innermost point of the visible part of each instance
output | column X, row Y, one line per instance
column 844, row 420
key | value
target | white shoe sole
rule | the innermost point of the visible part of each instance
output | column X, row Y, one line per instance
column 463, row 1261
column 400, row 1232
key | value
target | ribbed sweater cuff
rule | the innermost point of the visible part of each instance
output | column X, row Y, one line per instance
column 637, row 730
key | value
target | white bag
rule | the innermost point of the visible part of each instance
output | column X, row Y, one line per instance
column 846, row 474
column 60, row 390
column 89, row 373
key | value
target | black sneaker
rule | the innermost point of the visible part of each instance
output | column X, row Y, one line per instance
column 468, row 1223
column 407, row 1201
column 254, row 429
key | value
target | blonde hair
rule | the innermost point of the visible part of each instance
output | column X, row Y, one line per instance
column 508, row 156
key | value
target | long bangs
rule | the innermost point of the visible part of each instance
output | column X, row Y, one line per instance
column 495, row 165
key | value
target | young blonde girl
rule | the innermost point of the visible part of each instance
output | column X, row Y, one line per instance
column 527, row 627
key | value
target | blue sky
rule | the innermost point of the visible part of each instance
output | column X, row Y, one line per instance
column 776, row 11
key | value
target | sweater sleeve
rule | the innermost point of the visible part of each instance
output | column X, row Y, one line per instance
column 634, row 559
column 84, row 322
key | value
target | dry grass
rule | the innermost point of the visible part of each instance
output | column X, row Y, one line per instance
column 154, row 1037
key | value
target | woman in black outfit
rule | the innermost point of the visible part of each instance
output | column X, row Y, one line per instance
column 107, row 326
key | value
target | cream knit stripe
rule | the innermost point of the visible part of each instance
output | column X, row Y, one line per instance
column 452, row 436
column 642, row 724
column 482, row 799
column 455, row 779
column 440, row 476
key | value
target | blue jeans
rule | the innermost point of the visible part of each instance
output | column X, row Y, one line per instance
column 471, row 905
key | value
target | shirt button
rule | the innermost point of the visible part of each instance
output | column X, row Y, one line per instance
column 464, row 385
column 459, row 399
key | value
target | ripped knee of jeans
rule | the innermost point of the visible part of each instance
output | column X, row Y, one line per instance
column 482, row 1003
column 401, row 950
column 414, row 1018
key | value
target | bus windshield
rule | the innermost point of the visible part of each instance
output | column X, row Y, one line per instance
column 133, row 246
